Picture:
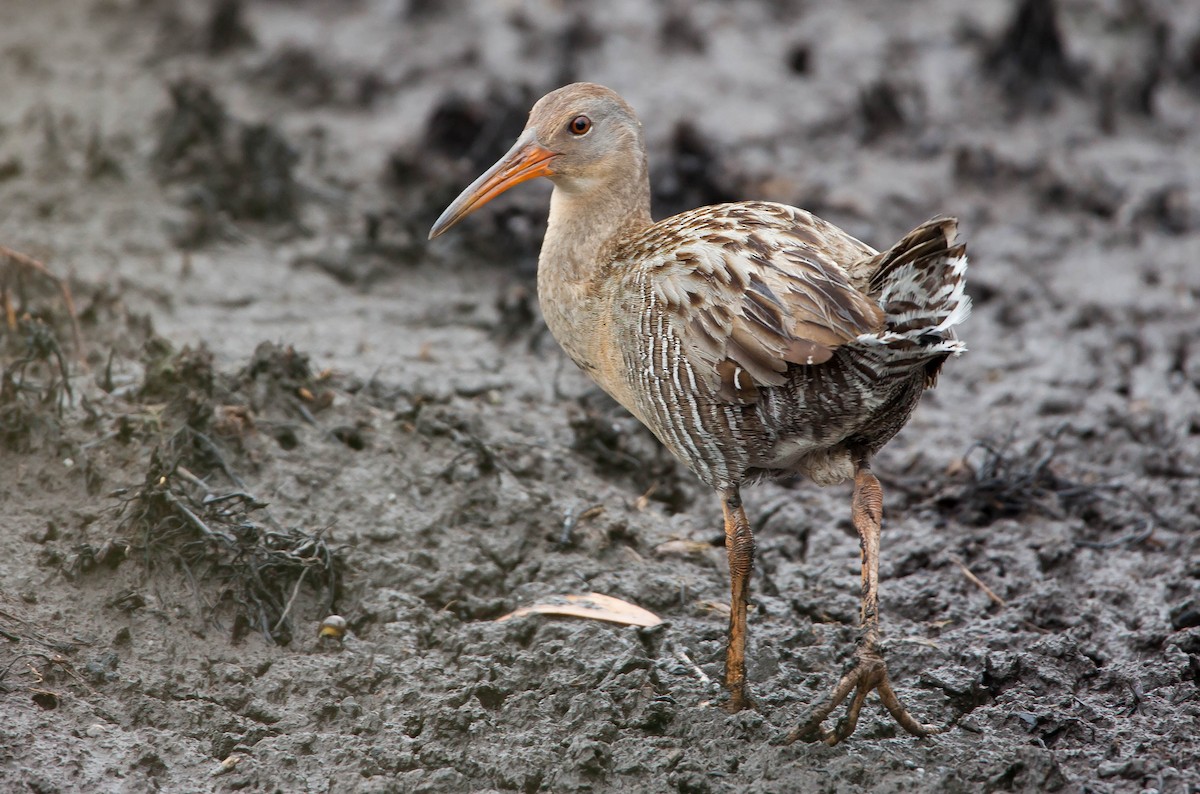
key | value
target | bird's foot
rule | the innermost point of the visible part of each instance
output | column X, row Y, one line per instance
column 870, row 673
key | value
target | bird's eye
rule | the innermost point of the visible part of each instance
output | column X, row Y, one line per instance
column 579, row 125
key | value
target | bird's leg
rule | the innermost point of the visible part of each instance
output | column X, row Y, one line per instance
column 739, row 544
column 870, row 671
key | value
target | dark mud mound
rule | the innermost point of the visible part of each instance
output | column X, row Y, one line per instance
column 227, row 29
column 1030, row 59
column 462, row 137
column 300, row 75
column 231, row 169
column 692, row 174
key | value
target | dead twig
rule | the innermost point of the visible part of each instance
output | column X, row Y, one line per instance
column 215, row 451
column 194, row 519
column 288, row 608
column 1132, row 539
column 183, row 472
column 573, row 517
column 687, row 662
column 975, row 580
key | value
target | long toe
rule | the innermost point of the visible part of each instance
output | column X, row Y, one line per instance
column 869, row 674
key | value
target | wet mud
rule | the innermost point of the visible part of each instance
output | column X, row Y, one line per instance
column 240, row 393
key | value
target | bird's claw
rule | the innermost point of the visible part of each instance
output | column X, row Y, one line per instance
column 870, row 673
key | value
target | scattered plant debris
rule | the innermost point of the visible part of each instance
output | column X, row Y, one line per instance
column 34, row 387
column 1008, row 482
column 225, row 536
column 15, row 271
column 31, row 658
column 193, row 512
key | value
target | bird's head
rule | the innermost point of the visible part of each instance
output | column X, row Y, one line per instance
column 582, row 137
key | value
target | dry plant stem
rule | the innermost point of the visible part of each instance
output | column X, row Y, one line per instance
column 194, row 519
column 870, row 670
column 292, row 600
column 216, row 453
column 739, row 543
column 975, row 580
column 682, row 656
column 192, row 478
column 36, row 266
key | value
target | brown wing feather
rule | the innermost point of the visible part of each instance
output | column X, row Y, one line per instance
column 753, row 289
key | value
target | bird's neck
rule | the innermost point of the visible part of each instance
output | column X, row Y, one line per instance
column 587, row 224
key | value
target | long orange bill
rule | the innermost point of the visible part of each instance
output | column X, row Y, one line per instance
column 526, row 160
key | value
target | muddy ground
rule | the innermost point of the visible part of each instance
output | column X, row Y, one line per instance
column 283, row 403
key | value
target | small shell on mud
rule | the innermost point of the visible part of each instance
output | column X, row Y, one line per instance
column 332, row 628
column 228, row 765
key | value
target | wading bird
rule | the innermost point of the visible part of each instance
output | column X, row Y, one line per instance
column 753, row 339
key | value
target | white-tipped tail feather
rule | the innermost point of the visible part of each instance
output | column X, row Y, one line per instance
column 920, row 284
